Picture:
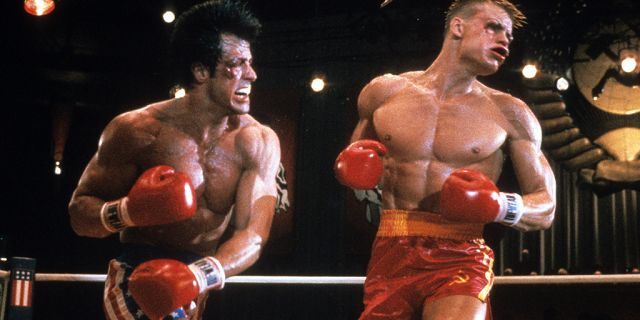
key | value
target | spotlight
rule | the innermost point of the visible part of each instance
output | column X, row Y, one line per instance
column 628, row 60
column 168, row 16
column 317, row 84
column 57, row 170
column 177, row 92
column 562, row 84
column 628, row 64
column 529, row 71
column 39, row 7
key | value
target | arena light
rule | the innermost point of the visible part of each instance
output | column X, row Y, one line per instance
column 317, row 84
column 629, row 64
column 529, row 71
column 562, row 84
column 57, row 169
column 629, row 60
column 177, row 92
column 39, row 7
column 168, row 16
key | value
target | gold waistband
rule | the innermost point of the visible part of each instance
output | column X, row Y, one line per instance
column 398, row 223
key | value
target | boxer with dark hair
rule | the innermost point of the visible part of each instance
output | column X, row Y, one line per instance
column 435, row 142
column 172, row 177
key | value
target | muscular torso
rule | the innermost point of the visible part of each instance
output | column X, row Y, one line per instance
column 427, row 138
column 214, row 166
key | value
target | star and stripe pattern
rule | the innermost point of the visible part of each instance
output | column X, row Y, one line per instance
column 22, row 288
column 22, row 280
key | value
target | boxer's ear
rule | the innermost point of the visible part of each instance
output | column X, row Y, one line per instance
column 456, row 27
column 200, row 72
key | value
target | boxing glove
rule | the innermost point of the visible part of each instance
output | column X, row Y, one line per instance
column 160, row 196
column 470, row 196
column 161, row 286
column 359, row 166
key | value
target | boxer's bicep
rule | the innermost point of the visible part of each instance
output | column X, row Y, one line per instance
column 535, row 175
column 373, row 96
column 255, row 200
column 257, row 187
column 108, row 175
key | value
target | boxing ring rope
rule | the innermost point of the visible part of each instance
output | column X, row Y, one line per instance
column 24, row 313
column 358, row 280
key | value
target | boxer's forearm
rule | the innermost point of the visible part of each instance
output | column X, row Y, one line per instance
column 253, row 217
column 84, row 215
column 240, row 252
column 539, row 212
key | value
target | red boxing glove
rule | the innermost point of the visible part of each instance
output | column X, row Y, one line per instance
column 359, row 166
column 161, row 286
column 470, row 196
column 160, row 196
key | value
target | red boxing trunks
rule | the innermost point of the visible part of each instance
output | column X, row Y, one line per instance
column 419, row 257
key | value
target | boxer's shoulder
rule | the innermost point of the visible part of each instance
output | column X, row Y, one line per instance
column 523, row 122
column 391, row 82
column 131, row 130
column 379, row 90
column 253, row 139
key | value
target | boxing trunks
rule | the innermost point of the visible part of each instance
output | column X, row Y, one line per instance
column 118, row 302
column 418, row 257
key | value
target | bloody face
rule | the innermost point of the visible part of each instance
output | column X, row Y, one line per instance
column 231, row 84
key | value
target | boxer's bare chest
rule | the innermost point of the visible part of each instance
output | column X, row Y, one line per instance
column 416, row 126
column 212, row 163
column 214, row 167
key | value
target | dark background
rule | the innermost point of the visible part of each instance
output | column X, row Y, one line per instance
column 90, row 60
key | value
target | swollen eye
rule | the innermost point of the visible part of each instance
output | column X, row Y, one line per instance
column 233, row 71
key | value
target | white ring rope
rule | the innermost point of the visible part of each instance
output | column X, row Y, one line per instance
column 357, row 280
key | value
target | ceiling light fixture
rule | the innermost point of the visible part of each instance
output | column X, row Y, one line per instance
column 168, row 16
column 562, row 84
column 628, row 64
column 529, row 71
column 39, row 7
column 317, row 84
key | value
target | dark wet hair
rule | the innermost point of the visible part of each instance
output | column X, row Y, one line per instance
column 196, row 35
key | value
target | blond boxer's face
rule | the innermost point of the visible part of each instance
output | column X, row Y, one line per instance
column 486, row 38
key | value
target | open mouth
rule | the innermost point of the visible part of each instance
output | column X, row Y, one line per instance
column 243, row 93
column 502, row 52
